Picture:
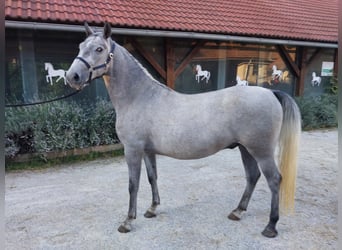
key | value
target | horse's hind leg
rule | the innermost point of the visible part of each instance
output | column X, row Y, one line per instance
column 273, row 177
column 151, row 167
column 252, row 177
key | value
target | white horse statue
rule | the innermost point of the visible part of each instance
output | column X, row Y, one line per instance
column 241, row 82
column 200, row 72
column 54, row 73
column 276, row 74
column 316, row 80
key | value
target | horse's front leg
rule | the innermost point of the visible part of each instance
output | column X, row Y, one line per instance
column 133, row 159
column 151, row 167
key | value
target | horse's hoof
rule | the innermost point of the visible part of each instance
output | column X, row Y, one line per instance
column 150, row 214
column 124, row 228
column 233, row 216
column 269, row 233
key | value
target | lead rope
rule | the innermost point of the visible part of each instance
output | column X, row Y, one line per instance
column 42, row 102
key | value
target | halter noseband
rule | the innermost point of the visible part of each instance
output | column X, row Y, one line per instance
column 91, row 69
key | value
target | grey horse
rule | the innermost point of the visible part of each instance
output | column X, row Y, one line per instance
column 154, row 119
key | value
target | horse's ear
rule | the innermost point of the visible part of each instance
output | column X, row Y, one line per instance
column 89, row 31
column 107, row 30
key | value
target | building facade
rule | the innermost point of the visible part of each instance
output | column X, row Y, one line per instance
column 39, row 48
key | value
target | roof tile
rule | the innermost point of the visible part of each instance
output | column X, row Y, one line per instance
column 314, row 20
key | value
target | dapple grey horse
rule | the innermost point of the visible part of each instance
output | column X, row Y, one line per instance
column 154, row 119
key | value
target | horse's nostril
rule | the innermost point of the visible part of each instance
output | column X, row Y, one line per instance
column 76, row 77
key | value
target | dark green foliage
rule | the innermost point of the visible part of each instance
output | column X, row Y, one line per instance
column 58, row 126
column 318, row 111
column 332, row 88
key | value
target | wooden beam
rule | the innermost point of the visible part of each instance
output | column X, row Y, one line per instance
column 189, row 57
column 288, row 60
column 170, row 63
column 302, row 53
column 336, row 63
column 312, row 57
column 148, row 57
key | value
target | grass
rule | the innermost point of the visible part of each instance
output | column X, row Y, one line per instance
column 38, row 163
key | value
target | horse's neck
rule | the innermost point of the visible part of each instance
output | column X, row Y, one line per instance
column 127, row 80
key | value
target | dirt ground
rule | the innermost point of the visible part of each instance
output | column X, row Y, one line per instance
column 80, row 206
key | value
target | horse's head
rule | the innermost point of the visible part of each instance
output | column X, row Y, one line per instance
column 95, row 54
column 46, row 66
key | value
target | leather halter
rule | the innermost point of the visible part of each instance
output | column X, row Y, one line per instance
column 91, row 69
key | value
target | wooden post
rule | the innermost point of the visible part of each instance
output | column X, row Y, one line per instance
column 336, row 63
column 302, row 64
column 170, row 64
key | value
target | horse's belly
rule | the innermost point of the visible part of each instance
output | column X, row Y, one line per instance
column 187, row 153
column 191, row 146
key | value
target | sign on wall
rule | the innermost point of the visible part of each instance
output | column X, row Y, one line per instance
column 327, row 69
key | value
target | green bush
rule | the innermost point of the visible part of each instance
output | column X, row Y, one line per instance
column 58, row 126
column 318, row 111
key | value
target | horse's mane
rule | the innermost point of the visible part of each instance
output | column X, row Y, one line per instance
column 145, row 72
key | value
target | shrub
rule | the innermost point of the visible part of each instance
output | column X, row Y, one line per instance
column 58, row 126
column 318, row 111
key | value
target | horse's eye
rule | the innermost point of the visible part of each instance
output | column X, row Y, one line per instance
column 99, row 49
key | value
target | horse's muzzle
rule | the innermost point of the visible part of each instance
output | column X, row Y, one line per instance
column 75, row 81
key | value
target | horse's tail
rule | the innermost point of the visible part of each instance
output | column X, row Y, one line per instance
column 288, row 149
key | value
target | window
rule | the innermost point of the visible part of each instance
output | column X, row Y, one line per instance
column 219, row 65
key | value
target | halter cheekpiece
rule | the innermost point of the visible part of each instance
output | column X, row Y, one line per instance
column 91, row 69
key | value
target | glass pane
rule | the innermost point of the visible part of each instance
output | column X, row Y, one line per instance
column 225, row 64
column 319, row 72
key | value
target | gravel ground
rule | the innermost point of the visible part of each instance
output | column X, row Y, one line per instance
column 80, row 206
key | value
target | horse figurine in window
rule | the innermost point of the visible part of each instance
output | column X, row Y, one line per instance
column 316, row 80
column 241, row 82
column 204, row 73
column 276, row 74
column 54, row 73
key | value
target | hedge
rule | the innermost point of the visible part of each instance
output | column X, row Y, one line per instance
column 58, row 126
column 318, row 111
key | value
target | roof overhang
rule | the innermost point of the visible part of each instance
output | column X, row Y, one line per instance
column 164, row 33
